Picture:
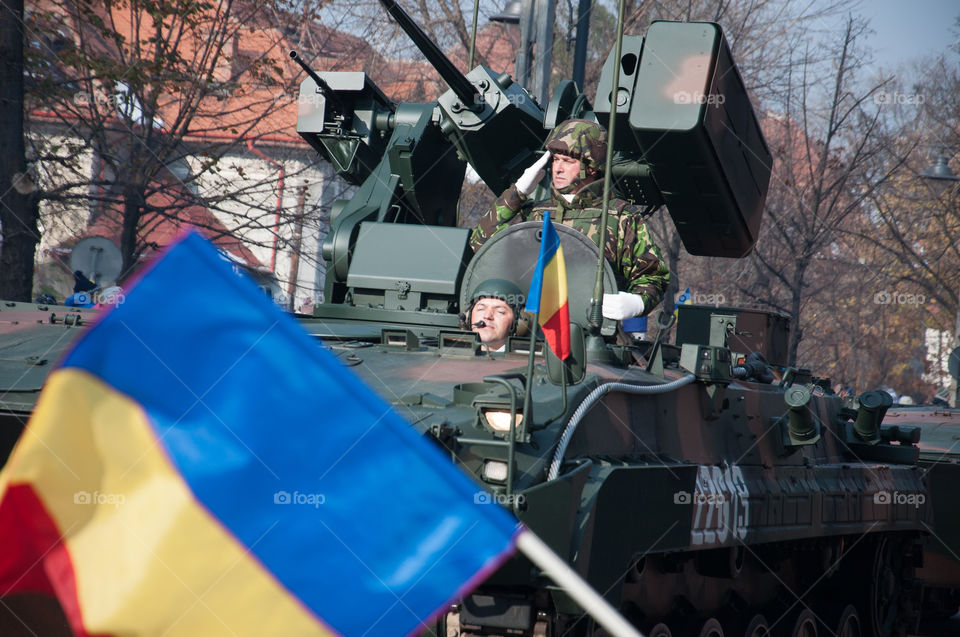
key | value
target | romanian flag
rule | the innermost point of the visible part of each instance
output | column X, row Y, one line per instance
column 548, row 292
column 197, row 465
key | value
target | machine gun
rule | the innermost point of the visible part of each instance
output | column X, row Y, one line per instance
column 690, row 141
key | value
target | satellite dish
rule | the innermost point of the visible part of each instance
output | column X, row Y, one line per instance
column 98, row 258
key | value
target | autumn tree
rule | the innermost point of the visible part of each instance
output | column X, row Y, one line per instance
column 914, row 220
column 139, row 108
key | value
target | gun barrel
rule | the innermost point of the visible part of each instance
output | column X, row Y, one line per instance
column 456, row 80
column 328, row 92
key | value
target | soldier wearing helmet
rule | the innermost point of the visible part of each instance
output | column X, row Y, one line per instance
column 496, row 313
column 578, row 149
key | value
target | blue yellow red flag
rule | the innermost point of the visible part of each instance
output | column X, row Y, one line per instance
column 548, row 292
column 198, row 465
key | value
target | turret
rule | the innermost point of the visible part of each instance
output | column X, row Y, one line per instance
column 688, row 139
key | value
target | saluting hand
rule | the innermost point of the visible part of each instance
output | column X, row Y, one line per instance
column 531, row 176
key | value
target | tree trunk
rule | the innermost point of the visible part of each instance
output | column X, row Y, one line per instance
column 133, row 200
column 796, row 299
column 295, row 246
column 18, row 203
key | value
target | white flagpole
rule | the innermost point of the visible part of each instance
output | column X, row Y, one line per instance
column 574, row 585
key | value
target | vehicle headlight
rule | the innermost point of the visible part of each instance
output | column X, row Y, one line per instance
column 499, row 419
column 495, row 471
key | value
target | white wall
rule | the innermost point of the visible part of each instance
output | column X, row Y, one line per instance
column 242, row 193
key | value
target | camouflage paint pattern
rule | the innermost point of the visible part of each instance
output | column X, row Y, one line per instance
column 635, row 259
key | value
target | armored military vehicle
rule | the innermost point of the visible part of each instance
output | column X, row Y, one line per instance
column 700, row 486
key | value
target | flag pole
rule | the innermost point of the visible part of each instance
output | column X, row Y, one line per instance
column 596, row 347
column 560, row 572
column 528, row 388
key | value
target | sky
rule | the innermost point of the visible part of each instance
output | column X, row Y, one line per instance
column 909, row 29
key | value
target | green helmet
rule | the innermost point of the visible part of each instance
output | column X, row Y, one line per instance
column 502, row 289
column 581, row 139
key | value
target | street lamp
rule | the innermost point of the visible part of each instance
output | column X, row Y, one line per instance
column 940, row 169
column 941, row 172
column 510, row 14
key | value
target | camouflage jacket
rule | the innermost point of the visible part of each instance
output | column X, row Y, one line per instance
column 635, row 259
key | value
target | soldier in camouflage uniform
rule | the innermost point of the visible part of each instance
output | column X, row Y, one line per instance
column 579, row 148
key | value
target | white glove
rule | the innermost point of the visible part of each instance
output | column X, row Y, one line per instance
column 531, row 176
column 622, row 305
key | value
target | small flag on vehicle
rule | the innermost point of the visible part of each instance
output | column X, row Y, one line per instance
column 548, row 292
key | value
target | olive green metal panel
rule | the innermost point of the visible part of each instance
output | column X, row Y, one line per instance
column 353, row 145
column 629, row 67
column 636, row 511
column 499, row 133
column 674, row 78
column 942, row 479
column 416, row 182
column 409, row 258
column 28, row 355
column 551, row 509
column 756, row 330
column 350, row 322
column 633, row 178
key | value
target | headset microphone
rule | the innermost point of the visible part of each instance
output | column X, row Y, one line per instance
column 465, row 325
